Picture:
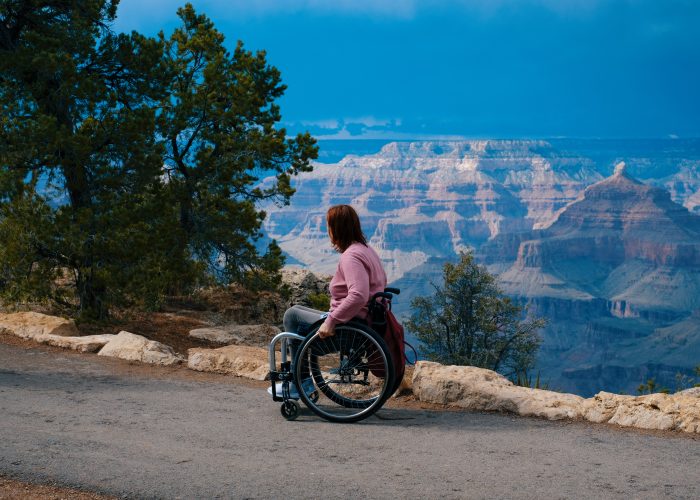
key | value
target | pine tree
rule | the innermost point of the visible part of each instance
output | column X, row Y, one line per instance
column 469, row 321
column 128, row 163
column 218, row 125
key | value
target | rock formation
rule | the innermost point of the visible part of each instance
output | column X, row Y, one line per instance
column 132, row 347
column 30, row 325
column 51, row 330
column 611, row 257
column 242, row 361
column 421, row 200
column 483, row 390
column 613, row 272
column 255, row 335
column 303, row 283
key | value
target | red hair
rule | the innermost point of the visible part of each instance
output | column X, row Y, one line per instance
column 344, row 227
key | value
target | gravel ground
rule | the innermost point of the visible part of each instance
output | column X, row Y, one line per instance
column 18, row 490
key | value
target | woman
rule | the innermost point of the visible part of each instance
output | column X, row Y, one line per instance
column 359, row 275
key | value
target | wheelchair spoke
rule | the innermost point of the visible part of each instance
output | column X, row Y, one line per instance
column 351, row 373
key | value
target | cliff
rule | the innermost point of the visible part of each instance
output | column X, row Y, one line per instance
column 610, row 257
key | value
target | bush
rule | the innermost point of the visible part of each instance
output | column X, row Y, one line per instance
column 469, row 321
column 651, row 387
column 319, row 301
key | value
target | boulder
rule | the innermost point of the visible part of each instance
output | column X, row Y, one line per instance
column 32, row 325
column 601, row 407
column 680, row 411
column 406, row 386
column 89, row 343
column 688, row 417
column 692, row 392
column 480, row 389
column 254, row 335
column 132, row 347
column 655, row 411
column 302, row 283
column 242, row 361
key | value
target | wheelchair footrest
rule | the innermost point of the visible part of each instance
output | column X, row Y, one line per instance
column 281, row 376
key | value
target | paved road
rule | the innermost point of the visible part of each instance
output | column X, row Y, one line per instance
column 100, row 424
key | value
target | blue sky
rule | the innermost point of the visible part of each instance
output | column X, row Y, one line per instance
column 412, row 69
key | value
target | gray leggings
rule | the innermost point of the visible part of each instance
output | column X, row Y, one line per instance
column 298, row 319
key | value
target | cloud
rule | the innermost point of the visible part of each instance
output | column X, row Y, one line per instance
column 330, row 123
column 400, row 9
column 231, row 9
column 364, row 127
column 389, row 135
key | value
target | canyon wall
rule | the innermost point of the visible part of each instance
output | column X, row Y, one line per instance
column 612, row 258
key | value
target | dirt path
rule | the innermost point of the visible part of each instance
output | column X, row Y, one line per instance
column 127, row 430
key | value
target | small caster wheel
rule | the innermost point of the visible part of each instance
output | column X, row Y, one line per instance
column 290, row 409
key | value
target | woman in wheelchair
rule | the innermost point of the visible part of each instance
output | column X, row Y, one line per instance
column 341, row 363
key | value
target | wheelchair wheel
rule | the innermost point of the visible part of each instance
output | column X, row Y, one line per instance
column 352, row 373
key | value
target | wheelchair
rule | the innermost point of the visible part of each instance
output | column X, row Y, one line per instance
column 343, row 378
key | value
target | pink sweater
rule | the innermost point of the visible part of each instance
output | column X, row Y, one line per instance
column 359, row 276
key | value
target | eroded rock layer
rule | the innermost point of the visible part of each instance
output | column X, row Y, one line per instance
column 611, row 258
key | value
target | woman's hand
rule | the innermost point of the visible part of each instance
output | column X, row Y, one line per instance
column 325, row 331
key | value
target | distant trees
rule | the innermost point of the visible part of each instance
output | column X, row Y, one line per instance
column 469, row 321
column 128, row 164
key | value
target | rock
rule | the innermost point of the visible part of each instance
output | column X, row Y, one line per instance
column 31, row 325
column 302, row 283
column 255, row 335
column 602, row 406
column 406, row 386
column 620, row 169
column 688, row 418
column 693, row 391
column 89, row 343
column 242, row 361
column 680, row 411
column 479, row 389
column 621, row 249
column 655, row 411
column 132, row 347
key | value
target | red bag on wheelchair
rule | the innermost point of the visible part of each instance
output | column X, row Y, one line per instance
column 383, row 321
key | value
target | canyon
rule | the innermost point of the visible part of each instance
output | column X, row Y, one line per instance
column 608, row 252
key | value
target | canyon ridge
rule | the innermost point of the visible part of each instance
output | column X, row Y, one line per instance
column 601, row 237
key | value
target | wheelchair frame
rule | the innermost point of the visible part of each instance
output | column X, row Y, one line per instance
column 374, row 348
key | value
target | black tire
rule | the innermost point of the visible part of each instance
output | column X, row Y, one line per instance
column 352, row 372
column 290, row 409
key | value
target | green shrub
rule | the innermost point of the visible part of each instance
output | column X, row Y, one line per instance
column 319, row 301
column 469, row 321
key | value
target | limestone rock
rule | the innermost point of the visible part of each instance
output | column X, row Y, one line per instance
column 680, row 411
column 302, row 283
column 89, row 343
column 622, row 251
column 31, row 325
column 602, row 406
column 479, row 389
column 255, row 335
column 242, row 361
column 406, row 386
column 655, row 411
column 132, row 347
column 688, row 417
column 693, row 391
